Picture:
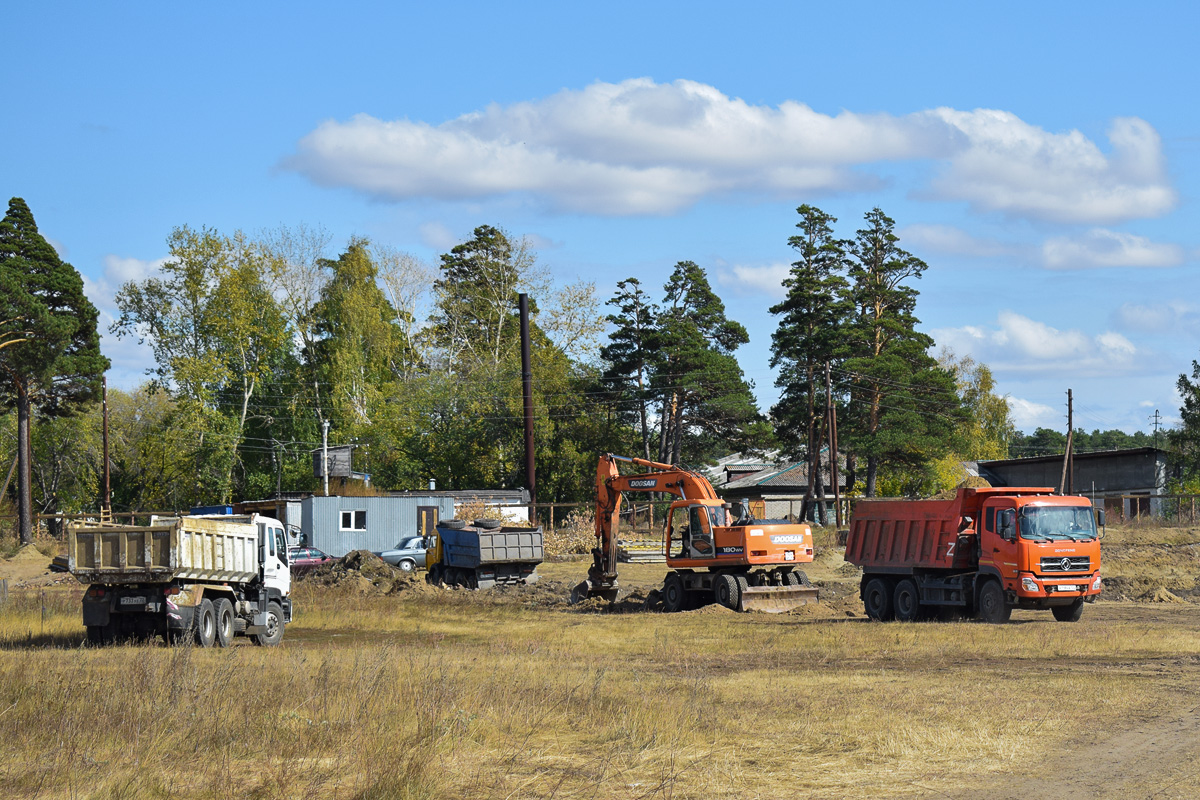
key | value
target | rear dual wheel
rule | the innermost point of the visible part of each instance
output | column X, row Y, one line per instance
column 205, row 623
column 906, row 601
column 223, row 610
column 877, row 599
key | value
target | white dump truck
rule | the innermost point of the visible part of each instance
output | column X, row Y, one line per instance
column 201, row 578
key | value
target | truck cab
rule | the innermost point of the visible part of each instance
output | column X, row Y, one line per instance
column 1044, row 550
column 273, row 555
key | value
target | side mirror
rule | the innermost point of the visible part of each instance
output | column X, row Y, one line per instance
column 1006, row 520
column 1100, row 517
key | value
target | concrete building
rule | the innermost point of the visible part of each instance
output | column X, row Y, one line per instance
column 1125, row 481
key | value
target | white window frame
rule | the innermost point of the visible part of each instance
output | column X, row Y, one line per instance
column 353, row 516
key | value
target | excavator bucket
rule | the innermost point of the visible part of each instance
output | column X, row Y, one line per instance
column 587, row 589
column 776, row 599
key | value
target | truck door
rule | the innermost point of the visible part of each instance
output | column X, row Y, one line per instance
column 997, row 543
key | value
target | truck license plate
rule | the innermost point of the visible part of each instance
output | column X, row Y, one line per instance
column 1068, row 588
column 789, row 555
column 133, row 601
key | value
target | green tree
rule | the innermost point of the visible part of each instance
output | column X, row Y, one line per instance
column 706, row 404
column 1185, row 439
column 629, row 353
column 812, row 317
column 474, row 319
column 217, row 333
column 359, row 346
column 904, row 409
column 51, row 360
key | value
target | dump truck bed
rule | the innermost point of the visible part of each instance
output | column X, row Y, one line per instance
column 184, row 548
column 909, row 534
column 469, row 548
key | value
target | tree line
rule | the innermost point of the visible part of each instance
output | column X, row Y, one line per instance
column 260, row 342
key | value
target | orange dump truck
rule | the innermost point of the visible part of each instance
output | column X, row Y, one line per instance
column 983, row 553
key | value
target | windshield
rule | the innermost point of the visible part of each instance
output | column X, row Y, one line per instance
column 1058, row 522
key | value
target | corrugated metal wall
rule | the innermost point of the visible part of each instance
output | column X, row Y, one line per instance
column 389, row 519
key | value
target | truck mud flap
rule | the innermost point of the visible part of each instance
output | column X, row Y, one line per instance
column 776, row 599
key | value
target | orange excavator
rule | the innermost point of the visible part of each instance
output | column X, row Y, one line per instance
column 741, row 563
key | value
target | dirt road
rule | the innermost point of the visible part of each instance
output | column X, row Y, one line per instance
column 1158, row 759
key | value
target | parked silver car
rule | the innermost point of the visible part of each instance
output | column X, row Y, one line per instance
column 408, row 555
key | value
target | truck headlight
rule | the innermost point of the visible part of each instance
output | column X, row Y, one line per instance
column 1096, row 584
column 1028, row 583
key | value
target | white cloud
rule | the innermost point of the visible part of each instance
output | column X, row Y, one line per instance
column 1020, row 344
column 1104, row 248
column 1029, row 416
column 951, row 241
column 766, row 280
column 1007, row 165
column 640, row 147
column 1174, row 317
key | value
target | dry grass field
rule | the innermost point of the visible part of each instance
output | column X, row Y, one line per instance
column 387, row 689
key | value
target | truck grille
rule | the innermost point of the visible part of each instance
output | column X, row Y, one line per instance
column 1067, row 564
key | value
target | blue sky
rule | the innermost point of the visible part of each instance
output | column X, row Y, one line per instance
column 1043, row 159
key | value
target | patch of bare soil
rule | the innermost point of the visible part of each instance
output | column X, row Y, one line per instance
column 1156, row 758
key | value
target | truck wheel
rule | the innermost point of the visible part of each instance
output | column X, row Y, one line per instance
column 799, row 578
column 274, row 632
column 205, row 624
column 488, row 524
column 453, row 524
column 1070, row 613
column 907, row 601
column 725, row 590
column 407, row 566
column 673, row 594
column 224, row 614
column 877, row 599
column 992, row 607
column 434, row 576
column 97, row 635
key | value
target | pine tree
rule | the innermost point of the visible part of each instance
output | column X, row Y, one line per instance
column 56, row 365
column 630, row 351
column 904, row 406
column 814, row 314
column 705, row 400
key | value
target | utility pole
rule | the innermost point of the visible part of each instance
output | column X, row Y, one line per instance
column 1155, row 421
column 325, row 454
column 527, row 395
column 1067, row 484
column 106, row 504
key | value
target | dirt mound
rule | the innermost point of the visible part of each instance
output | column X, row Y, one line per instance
column 30, row 555
column 367, row 573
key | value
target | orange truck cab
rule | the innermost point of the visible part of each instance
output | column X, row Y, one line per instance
column 984, row 553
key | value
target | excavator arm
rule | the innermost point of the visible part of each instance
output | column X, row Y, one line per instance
column 610, row 483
